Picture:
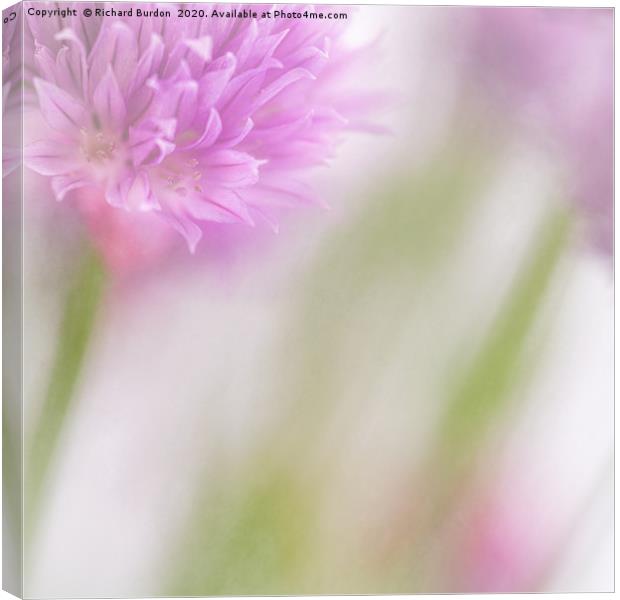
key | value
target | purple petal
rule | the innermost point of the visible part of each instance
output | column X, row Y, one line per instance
column 139, row 196
column 71, row 72
column 230, row 168
column 249, row 81
column 212, row 130
column 243, row 43
column 271, row 131
column 180, row 102
column 61, row 111
column 310, row 58
column 132, row 192
column 237, row 134
column 86, row 29
column 272, row 90
column 185, row 226
column 275, row 192
column 63, row 184
column 214, row 82
column 116, row 47
column 152, row 141
column 45, row 61
column 116, row 192
column 199, row 55
column 265, row 47
column 50, row 157
column 220, row 206
column 109, row 102
column 149, row 61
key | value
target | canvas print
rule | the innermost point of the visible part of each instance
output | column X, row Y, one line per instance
column 306, row 299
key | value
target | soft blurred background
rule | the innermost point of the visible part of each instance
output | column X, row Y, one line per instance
column 410, row 392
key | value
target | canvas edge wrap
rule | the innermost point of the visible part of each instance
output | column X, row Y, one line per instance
column 12, row 305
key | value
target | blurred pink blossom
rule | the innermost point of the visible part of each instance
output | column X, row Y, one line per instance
column 554, row 66
column 156, row 125
column 507, row 544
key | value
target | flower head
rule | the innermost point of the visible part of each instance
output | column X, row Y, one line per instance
column 556, row 65
column 188, row 121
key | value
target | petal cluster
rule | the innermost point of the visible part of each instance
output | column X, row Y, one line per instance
column 193, row 121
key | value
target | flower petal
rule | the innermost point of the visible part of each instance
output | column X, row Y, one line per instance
column 50, row 157
column 272, row 90
column 61, row 110
column 44, row 59
column 230, row 168
column 211, row 132
column 71, row 72
column 200, row 54
column 139, row 195
column 214, row 82
column 63, row 184
column 219, row 206
column 152, row 142
column 149, row 62
column 180, row 102
column 117, row 48
column 235, row 135
column 185, row 226
column 109, row 102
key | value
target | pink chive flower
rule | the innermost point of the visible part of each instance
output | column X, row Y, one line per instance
column 555, row 68
column 505, row 546
column 154, row 125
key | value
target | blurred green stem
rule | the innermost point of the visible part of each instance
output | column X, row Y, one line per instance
column 485, row 387
column 479, row 398
column 78, row 319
